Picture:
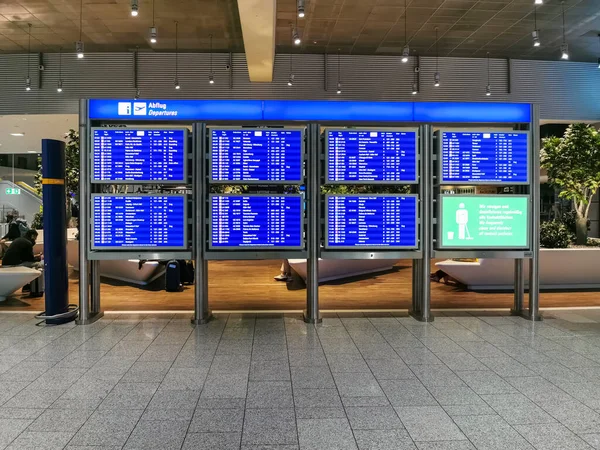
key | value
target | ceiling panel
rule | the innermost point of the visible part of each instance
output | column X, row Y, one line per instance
column 465, row 27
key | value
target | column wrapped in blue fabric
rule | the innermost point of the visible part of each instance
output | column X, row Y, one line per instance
column 55, row 231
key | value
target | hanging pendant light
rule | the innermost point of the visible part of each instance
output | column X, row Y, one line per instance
column 488, row 88
column 28, row 79
column 59, row 85
column 300, row 8
column 535, row 33
column 211, row 78
column 436, row 75
column 564, row 47
column 79, row 43
column 415, row 85
column 406, row 49
column 339, row 81
column 291, row 77
column 134, row 8
column 176, row 83
column 153, row 30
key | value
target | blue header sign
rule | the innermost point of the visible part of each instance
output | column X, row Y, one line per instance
column 307, row 110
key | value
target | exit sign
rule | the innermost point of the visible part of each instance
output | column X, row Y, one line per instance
column 13, row 191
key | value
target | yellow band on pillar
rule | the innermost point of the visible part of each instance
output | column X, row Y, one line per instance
column 53, row 181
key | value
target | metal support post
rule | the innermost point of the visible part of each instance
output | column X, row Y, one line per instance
column 423, row 303
column 87, row 315
column 519, row 288
column 313, row 197
column 95, row 287
column 415, row 304
column 202, row 313
column 534, row 262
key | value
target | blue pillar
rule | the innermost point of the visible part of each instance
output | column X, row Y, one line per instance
column 55, row 230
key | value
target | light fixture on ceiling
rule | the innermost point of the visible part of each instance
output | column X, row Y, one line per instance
column 436, row 75
column 153, row 35
column 153, row 30
column 564, row 47
column 296, row 38
column 538, row 2
column 416, row 71
column 300, row 9
column 134, row 8
column 177, row 86
column 17, row 134
column 211, row 78
column 406, row 49
column 535, row 33
column 291, row 77
column 339, row 80
column 59, row 85
column 599, row 56
column 31, row 151
column 28, row 79
column 488, row 88
column 137, row 94
column 79, row 43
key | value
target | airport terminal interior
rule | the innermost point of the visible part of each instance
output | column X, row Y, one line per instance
column 300, row 224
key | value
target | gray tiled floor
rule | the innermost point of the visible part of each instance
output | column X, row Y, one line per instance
column 358, row 381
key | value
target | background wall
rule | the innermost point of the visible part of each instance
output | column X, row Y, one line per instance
column 565, row 91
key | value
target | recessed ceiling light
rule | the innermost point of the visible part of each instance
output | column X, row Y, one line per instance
column 31, row 151
column 17, row 134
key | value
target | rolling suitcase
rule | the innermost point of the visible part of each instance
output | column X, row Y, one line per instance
column 37, row 286
column 173, row 276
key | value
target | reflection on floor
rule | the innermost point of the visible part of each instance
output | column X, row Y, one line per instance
column 465, row 381
column 249, row 285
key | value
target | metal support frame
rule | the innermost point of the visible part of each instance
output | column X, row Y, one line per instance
column 534, row 262
column 421, row 304
column 519, row 288
column 202, row 313
column 313, row 197
column 89, row 312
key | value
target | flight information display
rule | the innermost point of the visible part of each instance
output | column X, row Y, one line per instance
column 131, row 222
column 479, row 157
column 369, row 156
column 256, row 221
column 252, row 155
column 128, row 155
column 370, row 220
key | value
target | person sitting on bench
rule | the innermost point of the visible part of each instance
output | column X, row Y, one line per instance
column 20, row 252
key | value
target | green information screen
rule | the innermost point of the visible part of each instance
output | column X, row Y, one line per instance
column 484, row 221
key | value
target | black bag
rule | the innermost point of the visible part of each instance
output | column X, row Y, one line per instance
column 187, row 271
column 173, row 276
column 37, row 286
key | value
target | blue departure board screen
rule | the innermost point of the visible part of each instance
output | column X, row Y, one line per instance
column 369, row 156
column 130, row 222
column 128, row 155
column 371, row 221
column 256, row 155
column 478, row 157
column 256, row 221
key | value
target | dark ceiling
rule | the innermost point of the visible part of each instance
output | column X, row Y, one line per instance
column 467, row 28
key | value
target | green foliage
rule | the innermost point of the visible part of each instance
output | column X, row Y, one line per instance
column 228, row 189
column 554, row 234
column 38, row 221
column 573, row 164
column 364, row 189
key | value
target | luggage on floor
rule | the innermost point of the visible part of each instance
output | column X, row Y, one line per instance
column 173, row 276
column 37, row 286
column 187, row 271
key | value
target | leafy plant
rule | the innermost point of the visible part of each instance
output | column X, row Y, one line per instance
column 573, row 164
column 554, row 234
column 364, row 189
column 38, row 220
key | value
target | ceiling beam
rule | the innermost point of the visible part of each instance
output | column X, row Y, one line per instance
column 258, row 29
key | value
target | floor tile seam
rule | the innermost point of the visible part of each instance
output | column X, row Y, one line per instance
column 287, row 350
column 109, row 392
column 382, row 390
column 187, row 431
column 152, row 397
column 334, row 383
column 248, row 382
column 559, row 421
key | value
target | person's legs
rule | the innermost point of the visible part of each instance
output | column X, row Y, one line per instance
column 285, row 271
